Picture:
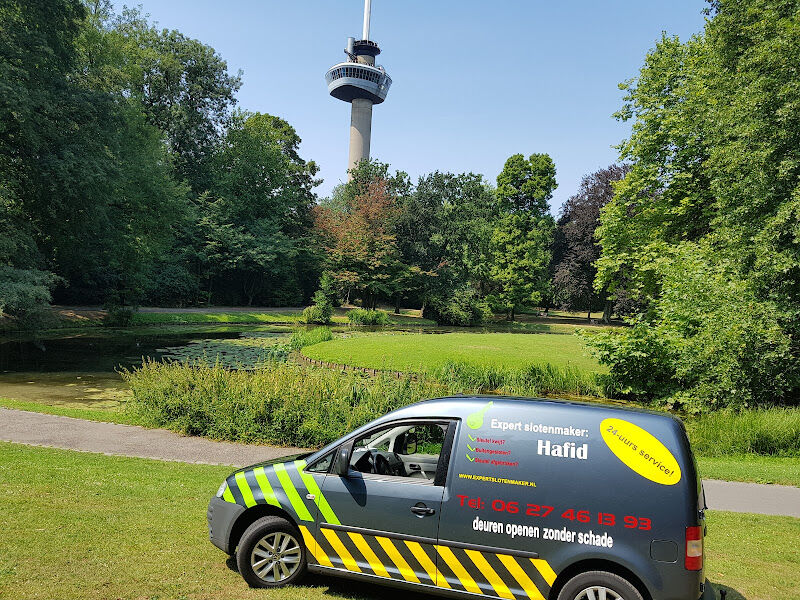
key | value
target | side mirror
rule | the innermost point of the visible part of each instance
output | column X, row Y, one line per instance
column 343, row 461
column 409, row 444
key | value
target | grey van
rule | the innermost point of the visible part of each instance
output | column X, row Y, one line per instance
column 481, row 496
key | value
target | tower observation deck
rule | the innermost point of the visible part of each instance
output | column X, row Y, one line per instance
column 361, row 82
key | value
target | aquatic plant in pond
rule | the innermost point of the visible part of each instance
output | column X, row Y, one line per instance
column 248, row 352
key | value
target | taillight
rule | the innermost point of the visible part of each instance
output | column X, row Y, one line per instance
column 694, row 548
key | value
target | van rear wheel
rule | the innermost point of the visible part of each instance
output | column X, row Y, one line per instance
column 271, row 553
column 599, row 585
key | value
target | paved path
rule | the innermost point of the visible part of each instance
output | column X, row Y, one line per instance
column 125, row 440
column 53, row 431
column 737, row 496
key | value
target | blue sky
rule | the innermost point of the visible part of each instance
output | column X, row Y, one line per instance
column 474, row 82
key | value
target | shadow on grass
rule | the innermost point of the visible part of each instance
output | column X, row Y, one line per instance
column 350, row 589
column 339, row 587
column 732, row 594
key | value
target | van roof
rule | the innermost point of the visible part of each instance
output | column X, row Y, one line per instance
column 483, row 398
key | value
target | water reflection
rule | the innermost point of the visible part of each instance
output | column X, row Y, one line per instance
column 80, row 369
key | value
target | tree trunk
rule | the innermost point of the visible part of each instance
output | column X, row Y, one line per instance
column 512, row 313
column 589, row 315
column 607, row 312
column 397, row 304
column 249, row 290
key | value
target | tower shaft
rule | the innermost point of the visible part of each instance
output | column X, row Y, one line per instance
column 360, row 133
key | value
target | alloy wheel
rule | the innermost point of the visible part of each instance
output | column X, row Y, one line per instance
column 276, row 557
column 598, row 592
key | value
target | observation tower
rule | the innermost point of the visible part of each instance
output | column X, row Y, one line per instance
column 361, row 82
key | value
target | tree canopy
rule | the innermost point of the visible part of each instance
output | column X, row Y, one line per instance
column 705, row 229
column 575, row 249
column 521, row 240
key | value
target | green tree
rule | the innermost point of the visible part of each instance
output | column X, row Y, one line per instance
column 705, row 226
column 666, row 198
column 36, row 54
column 257, row 217
column 521, row 240
column 82, row 173
column 444, row 230
column 184, row 89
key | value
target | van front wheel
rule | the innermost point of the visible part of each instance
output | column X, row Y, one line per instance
column 599, row 585
column 271, row 553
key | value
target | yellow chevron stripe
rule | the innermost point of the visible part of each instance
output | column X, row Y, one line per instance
column 510, row 563
column 292, row 495
column 371, row 558
column 227, row 495
column 344, row 553
column 315, row 549
column 427, row 564
column 319, row 497
column 244, row 488
column 491, row 575
column 397, row 559
column 458, row 569
column 545, row 570
column 266, row 487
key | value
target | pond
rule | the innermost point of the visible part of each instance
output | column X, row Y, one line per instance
column 81, row 369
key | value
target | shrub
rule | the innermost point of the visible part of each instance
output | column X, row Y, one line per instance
column 773, row 431
column 282, row 404
column 308, row 337
column 321, row 312
column 118, row 316
column 327, row 285
column 464, row 307
column 287, row 404
column 707, row 342
column 532, row 380
column 25, row 295
column 362, row 316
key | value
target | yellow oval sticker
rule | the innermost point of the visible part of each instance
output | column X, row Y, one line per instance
column 640, row 451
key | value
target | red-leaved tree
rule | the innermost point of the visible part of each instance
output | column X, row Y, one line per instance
column 359, row 239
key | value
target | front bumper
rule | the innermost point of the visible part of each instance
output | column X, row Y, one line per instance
column 221, row 516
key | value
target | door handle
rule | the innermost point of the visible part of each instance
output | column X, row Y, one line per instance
column 422, row 511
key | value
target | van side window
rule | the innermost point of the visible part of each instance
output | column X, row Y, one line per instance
column 322, row 465
column 410, row 451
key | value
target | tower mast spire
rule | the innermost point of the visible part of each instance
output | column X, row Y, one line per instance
column 367, row 16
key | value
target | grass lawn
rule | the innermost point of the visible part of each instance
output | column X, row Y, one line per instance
column 87, row 526
column 757, row 557
column 105, row 415
column 751, row 467
column 410, row 352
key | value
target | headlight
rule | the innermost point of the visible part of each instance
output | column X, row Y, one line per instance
column 222, row 489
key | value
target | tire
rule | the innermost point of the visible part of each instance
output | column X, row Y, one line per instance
column 271, row 553
column 590, row 585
